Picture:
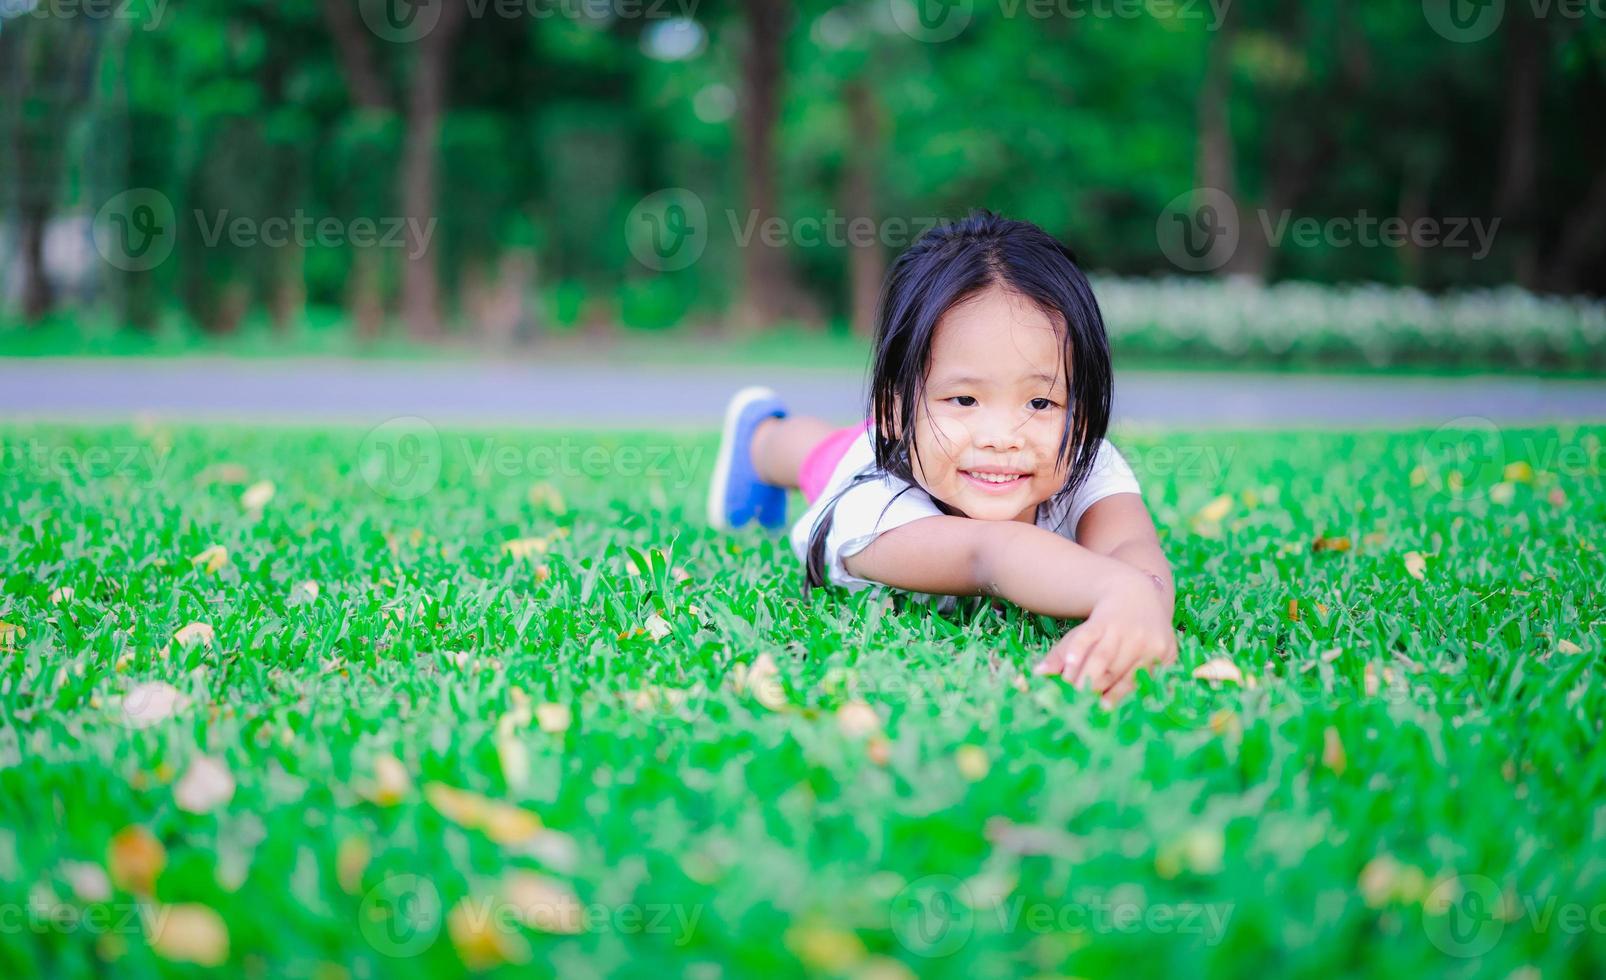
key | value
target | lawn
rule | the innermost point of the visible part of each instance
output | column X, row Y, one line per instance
column 321, row 703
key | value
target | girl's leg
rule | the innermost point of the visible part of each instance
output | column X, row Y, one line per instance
column 780, row 445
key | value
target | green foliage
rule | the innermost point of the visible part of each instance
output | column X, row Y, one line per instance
column 1407, row 749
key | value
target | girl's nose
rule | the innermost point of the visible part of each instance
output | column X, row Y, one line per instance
column 998, row 431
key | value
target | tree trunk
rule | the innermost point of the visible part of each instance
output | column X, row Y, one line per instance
column 1516, row 186
column 1215, row 166
column 1582, row 240
column 426, row 105
column 768, row 292
column 364, row 83
column 867, row 259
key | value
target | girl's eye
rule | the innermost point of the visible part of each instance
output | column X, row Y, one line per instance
column 1041, row 404
column 963, row 401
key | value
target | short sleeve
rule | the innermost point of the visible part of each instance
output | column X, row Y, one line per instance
column 1110, row 475
column 859, row 513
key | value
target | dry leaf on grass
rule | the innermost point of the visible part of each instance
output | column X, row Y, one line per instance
column 1569, row 647
column 501, row 822
column 211, row 560
column 544, row 904
column 1416, row 565
column 188, row 636
column 257, row 495
column 973, row 762
column 1333, row 755
column 761, row 681
column 351, row 860
column 390, row 785
column 303, row 593
column 206, row 785
column 657, row 627
column 480, row 939
column 857, row 719
column 187, row 933
column 525, row 547
column 1219, row 669
column 152, row 702
column 825, row 948
column 10, row 633
column 1331, row 544
column 553, row 718
column 135, row 858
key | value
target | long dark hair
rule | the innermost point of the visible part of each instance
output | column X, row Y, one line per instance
column 947, row 265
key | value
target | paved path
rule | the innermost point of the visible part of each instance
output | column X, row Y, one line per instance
column 575, row 394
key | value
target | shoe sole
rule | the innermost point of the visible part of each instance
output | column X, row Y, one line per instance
column 718, row 489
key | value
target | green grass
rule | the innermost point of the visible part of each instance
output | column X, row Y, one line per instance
column 1408, row 781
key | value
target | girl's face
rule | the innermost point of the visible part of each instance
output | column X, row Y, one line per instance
column 987, row 437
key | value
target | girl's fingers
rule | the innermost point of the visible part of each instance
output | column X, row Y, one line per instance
column 1080, row 655
column 1054, row 661
column 1120, row 689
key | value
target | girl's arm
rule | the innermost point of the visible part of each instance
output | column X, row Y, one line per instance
column 1034, row 568
column 1126, row 600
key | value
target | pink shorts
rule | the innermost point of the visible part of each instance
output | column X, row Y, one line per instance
column 822, row 459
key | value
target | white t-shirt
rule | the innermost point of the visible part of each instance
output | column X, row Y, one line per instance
column 884, row 502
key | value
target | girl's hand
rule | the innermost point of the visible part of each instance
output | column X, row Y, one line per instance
column 1128, row 630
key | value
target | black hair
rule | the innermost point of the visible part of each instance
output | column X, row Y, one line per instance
column 947, row 265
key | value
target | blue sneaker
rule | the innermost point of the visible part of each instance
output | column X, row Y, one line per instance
column 737, row 494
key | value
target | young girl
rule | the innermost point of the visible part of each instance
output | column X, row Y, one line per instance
column 982, row 469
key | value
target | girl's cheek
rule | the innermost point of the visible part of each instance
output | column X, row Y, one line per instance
column 947, row 435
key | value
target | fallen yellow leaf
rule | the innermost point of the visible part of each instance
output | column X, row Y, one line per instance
column 1569, row 647
column 10, row 633
column 824, row 947
column 482, row 942
column 525, row 547
column 135, row 858
column 151, row 702
column 304, row 592
column 657, row 626
column 391, row 783
column 1333, row 755
column 1503, row 493
column 502, row 822
column 206, row 785
column 62, row 595
column 257, row 495
column 1219, row 669
column 194, row 633
column 1519, row 472
column 351, row 860
column 552, row 718
column 761, row 680
column 547, row 496
column 1331, row 544
column 187, row 933
column 857, row 719
column 211, row 559
column 1415, row 565
column 973, row 762
column 543, row 903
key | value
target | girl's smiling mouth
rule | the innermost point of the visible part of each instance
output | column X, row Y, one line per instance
column 995, row 481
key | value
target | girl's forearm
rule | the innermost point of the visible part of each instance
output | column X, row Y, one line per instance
column 1036, row 569
column 1145, row 556
column 1044, row 573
